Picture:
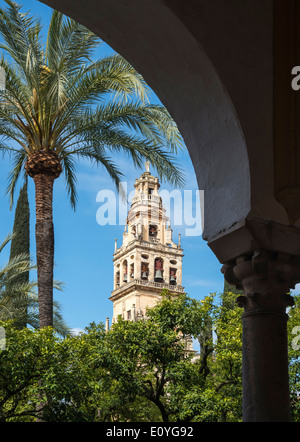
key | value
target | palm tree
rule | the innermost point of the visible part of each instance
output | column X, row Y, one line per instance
column 59, row 106
column 18, row 298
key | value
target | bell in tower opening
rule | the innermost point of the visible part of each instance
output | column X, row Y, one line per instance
column 173, row 276
column 125, row 277
column 152, row 231
column 158, row 277
column 145, row 271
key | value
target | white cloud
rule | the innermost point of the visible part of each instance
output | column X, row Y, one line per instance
column 92, row 182
column 296, row 289
column 203, row 283
column 76, row 331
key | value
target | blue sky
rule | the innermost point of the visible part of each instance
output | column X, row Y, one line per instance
column 84, row 249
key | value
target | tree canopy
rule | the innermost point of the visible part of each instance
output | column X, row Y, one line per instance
column 137, row 371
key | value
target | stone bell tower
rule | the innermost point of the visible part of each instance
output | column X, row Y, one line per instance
column 148, row 259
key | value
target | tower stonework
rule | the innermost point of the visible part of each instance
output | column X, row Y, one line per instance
column 148, row 260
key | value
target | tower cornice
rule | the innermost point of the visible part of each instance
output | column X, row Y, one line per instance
column 143, row 245
column 137, row 284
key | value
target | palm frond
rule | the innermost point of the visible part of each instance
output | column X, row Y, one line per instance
column 115, row 74
column 153, row 122
column 69, row 168
column 99, row 158
column 62, row 100
column 18, row 161
column 111, row 75
column 13, row 294
column 69, row 44
column 138, row 149
column 21, row 34
column 5, row 241
column 16, row 108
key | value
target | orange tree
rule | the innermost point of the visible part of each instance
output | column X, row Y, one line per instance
column 138, row 371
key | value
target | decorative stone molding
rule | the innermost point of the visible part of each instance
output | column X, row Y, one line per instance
column 150, row 284
column 266, row 278
column 252, row 234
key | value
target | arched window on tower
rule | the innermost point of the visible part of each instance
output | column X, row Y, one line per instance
column 159, row 270
column 144, row 271
column 152, row 232
column 132, row 271
column 117, row 279
column 125, row 271
column 172, row 279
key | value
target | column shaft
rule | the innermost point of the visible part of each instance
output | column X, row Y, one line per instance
column 265, row 368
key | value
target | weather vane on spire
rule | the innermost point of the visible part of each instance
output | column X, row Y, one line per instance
column 147, row 166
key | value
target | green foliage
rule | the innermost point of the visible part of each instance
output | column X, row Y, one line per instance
column 138, row 371
column 23, row 363
column 228, row 357
column 294, row 357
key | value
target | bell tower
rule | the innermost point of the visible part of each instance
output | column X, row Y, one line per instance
column 148, row 259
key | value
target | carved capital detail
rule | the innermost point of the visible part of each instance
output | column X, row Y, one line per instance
column 266, row 277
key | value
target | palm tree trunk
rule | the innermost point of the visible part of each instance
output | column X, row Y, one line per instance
column 44, row 234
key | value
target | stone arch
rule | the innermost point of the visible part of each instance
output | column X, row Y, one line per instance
column 125, row 270
column 117, row 279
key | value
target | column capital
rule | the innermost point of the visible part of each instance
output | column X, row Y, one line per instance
column 266, row 277
column 253, row 234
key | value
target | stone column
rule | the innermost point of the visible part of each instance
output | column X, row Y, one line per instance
column 179, row 272
column 151, row 266
column 266, row 277
column 107, row 325
column 137, row 266
column 166, row 271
